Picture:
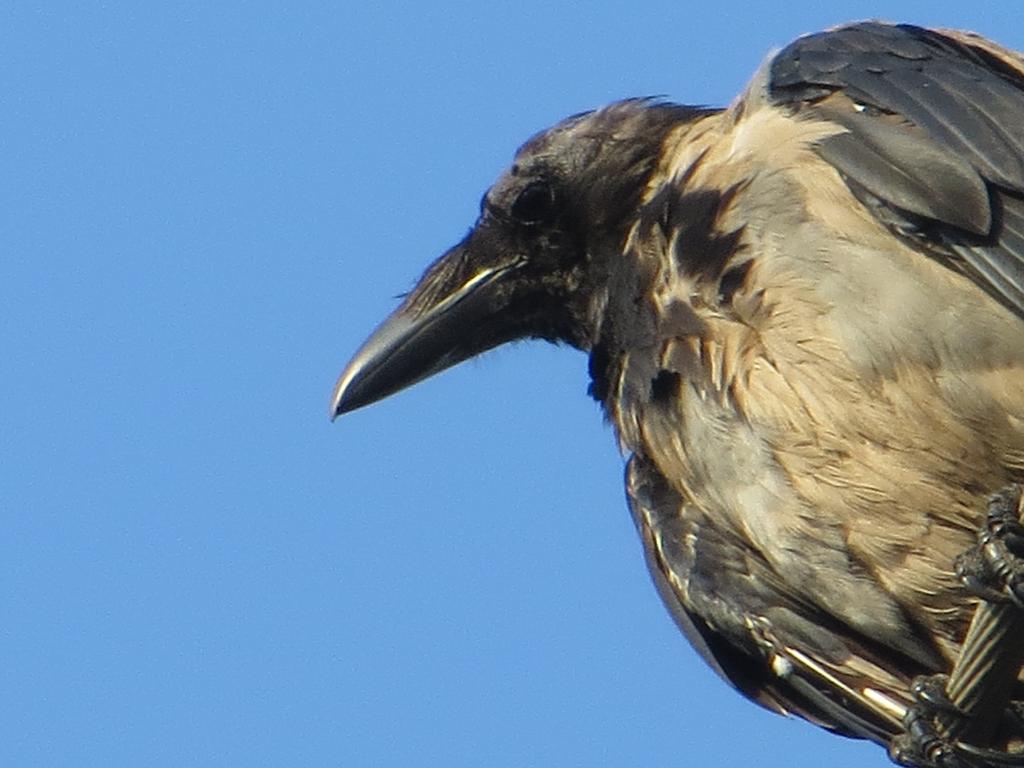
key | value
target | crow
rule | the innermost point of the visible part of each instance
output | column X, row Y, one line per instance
column 804, row 316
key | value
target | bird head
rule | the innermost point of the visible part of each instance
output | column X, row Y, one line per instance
column 535, row 264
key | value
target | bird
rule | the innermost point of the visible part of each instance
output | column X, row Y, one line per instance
column 804, row 319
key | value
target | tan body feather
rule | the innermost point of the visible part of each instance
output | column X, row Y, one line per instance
column 849, row 420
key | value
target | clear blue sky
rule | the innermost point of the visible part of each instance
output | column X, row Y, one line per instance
column 205, row 208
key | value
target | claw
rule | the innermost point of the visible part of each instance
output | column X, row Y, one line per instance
column 922, row 746
column 974, row 703
column 994, row 570
column 1001, row 545
column 930, row 690
column 924, row 743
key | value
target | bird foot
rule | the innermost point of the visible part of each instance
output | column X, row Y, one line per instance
column 922, row 745
column 924, row 742
column 938, row 722
column 994, row 569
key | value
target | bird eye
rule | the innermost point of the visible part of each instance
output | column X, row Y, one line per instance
column 535, row 204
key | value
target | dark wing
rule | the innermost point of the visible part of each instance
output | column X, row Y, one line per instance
column 736, row 613
column 748, row 627
column 935, row 141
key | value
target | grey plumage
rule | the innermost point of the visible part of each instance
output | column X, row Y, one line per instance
column 803, row 317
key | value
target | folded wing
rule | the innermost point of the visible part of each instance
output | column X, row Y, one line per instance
column 935, row 138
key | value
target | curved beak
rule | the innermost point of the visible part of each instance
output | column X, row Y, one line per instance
column 442, row 322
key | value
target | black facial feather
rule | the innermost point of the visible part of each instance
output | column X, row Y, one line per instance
column 564, row 210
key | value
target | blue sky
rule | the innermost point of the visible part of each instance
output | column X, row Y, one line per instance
column 205, row 209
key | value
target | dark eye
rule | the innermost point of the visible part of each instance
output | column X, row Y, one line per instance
column 535, row 204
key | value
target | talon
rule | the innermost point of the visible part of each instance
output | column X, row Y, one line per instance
column 972, row 570
column 902, row 751
column 974, row 701
column 926, row 742
column 921, row 745
column 994, row 569
column 930, row 690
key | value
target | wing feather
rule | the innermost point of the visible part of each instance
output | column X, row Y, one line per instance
column 935, row 137
column 748, row 627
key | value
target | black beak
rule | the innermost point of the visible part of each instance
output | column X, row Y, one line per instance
column 442, row 322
